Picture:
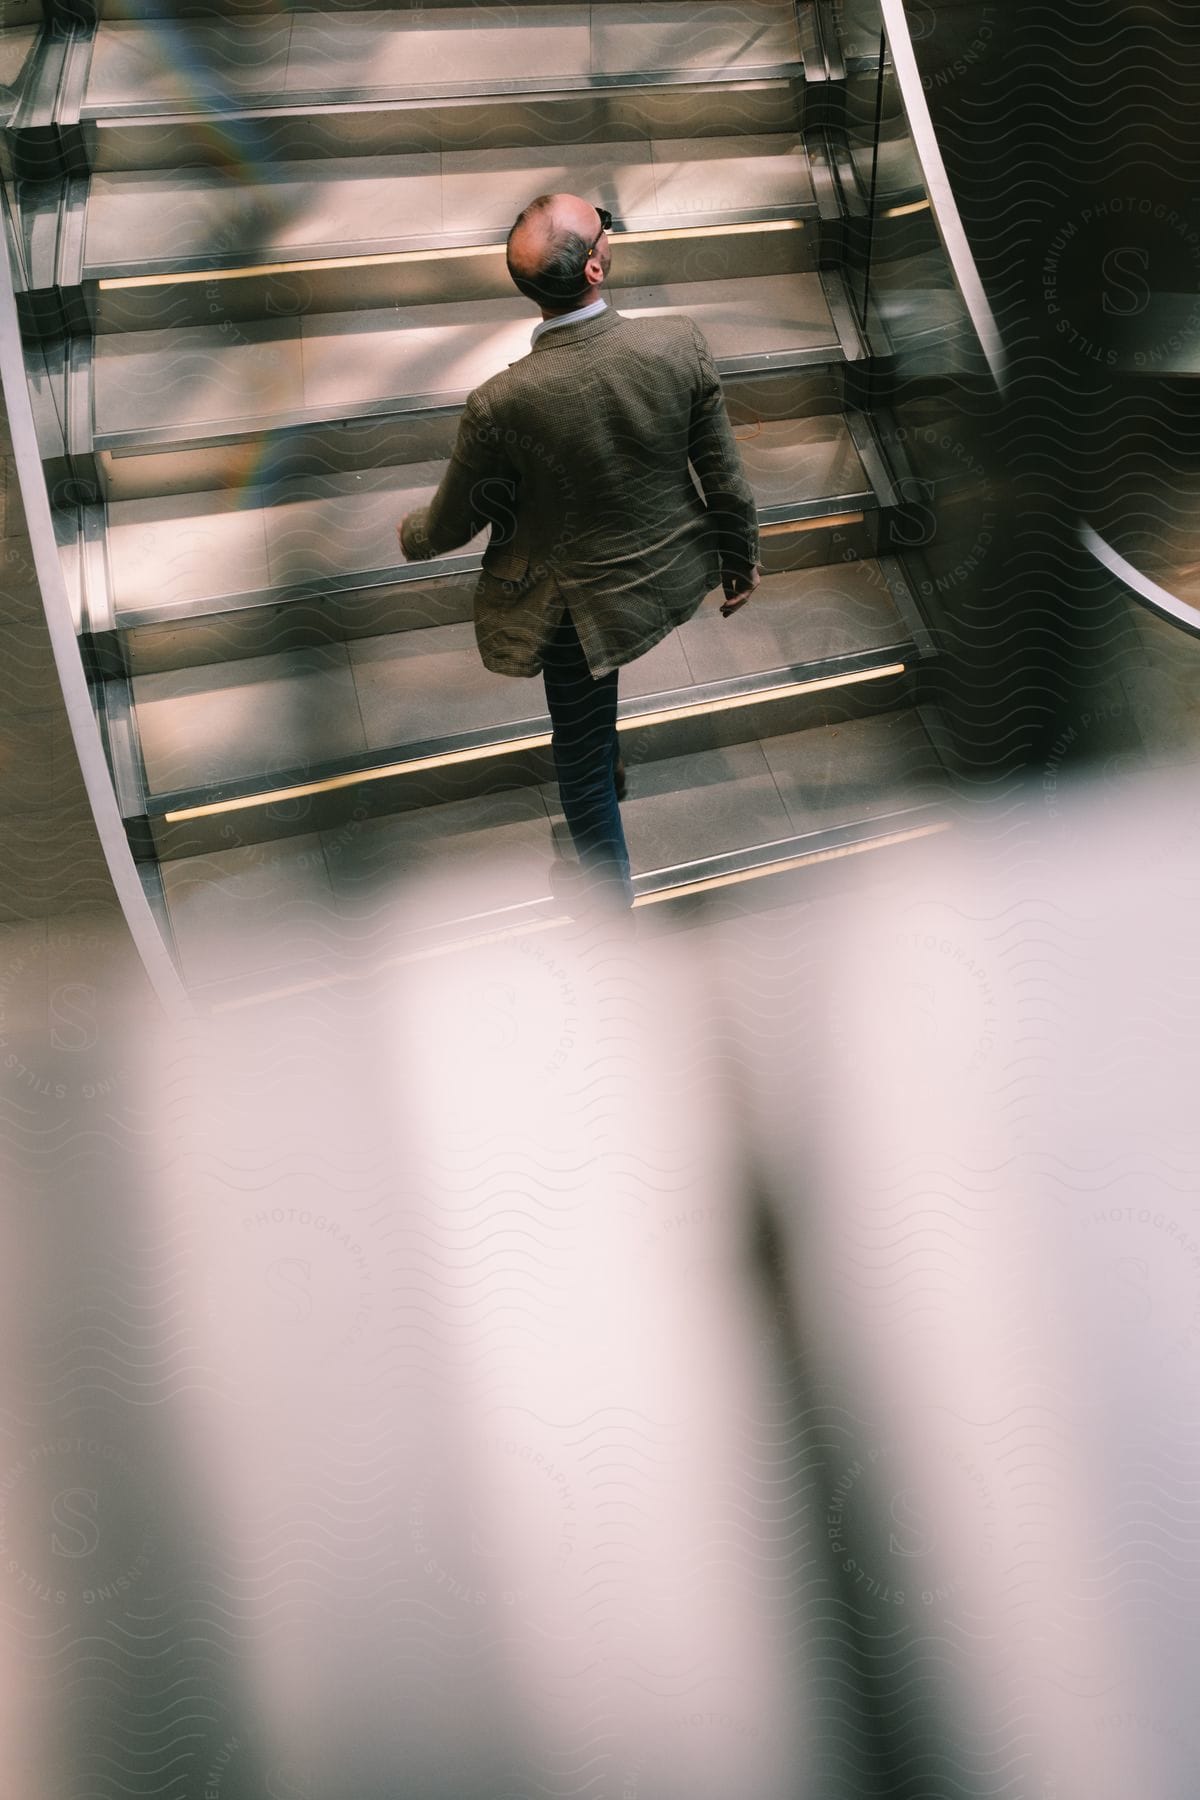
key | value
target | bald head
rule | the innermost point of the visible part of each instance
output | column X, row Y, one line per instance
column 548, row 252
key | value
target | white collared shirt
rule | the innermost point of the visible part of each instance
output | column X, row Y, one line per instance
column 591, row 311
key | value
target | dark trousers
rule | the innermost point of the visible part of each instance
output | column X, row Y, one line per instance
column 583, row 712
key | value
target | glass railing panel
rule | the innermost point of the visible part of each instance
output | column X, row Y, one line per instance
column 935, row 369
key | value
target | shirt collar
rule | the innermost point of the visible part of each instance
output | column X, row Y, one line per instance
column 591, row 311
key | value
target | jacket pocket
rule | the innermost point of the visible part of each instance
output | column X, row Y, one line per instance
column 506, row 564
column 504, row 581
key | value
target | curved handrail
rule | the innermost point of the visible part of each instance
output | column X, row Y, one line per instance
column 1159, row 599
column 56, row 605
column 942, row 203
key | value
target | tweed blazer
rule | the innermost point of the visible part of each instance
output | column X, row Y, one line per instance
column 578, row 456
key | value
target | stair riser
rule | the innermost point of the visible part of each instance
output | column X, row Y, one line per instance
column 345, row 808
column 403, row 437
column 402, row 606
column 473, row 273
column 620, row 113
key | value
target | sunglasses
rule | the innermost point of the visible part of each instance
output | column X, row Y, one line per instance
column 606, row 220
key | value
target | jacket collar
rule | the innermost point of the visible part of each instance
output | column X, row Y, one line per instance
column 591, row 311
column 577, row 334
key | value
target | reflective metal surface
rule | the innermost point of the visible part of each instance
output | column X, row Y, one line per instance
column 62, row 620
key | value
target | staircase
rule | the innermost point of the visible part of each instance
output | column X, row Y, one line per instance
column 263, row 261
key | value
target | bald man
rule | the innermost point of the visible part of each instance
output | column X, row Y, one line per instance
column 601, row 543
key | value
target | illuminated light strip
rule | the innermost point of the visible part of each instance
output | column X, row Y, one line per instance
column 855, row 518
column 902, row 212
column 790, row 862
column 332, row 783
column 109, row 283
column 775, row 693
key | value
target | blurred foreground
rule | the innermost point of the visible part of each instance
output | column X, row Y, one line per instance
column 756, row 1361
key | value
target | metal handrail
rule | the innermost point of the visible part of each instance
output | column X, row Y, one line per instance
column 942, row 203
column 1151, row 593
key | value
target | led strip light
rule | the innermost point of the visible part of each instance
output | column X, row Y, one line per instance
column 111, row 283
column 826, row 519
column 902, row 212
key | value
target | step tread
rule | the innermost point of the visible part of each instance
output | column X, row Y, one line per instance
column 143, row 222
column 189, row 379
column 271, row 905
column 303, row 709
column 186, row 555
column 138, row 67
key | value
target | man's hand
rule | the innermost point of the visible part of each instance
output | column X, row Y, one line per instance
column 738, row 589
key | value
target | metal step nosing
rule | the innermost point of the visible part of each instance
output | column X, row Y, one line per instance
column 444, row 568
column 36, row 108
column 137, row 440
column 812, row 49
column 828, row 42
column 80, row 436
column 150, row 874
column 867, row 63
column 72, row 232
column 816, row 356
column 797, row 512
column 118, row 717
column 765, row 684
column 77, row 66
column 834, row 286
column 384, row 762
column 763, row 858
column 98, row 610
column 333, row 587
column 320, row 103
column 822, row 173
column 17, row 246
column 853, row 196
column 905, row 600
column 264, row 260
column 870, row 454
column 245, row 792
column 678, row 227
